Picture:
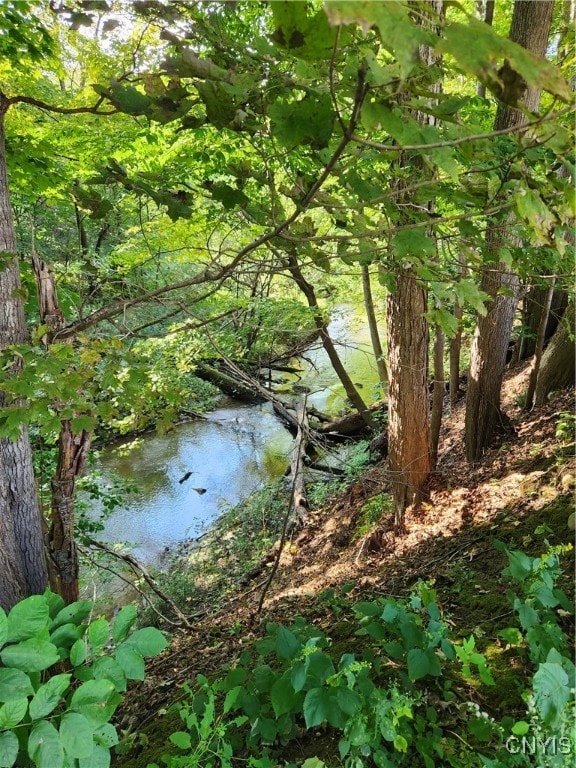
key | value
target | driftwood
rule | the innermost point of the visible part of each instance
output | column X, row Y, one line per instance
column 351, row 425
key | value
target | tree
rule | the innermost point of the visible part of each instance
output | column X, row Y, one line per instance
column 557, row 367
column 530, row 27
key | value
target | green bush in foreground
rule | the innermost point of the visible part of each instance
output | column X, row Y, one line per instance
column 406, row 700
column 62, row 675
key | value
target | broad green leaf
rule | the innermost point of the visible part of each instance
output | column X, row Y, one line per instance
column 123, row 623
column 12, row 713
column 126, row 98
column 66, row 635
column 181, row 739
column 14, row 684
column 78, row 653
column 398, row 32
column 27, row 618
column 107, row 668
column 9, row 749
column 422, row 663
column 283, row 696
column 106, row 735
column 308, row 121
column 44, row 746
column 413, row 245
column 536, row 213
column 75, row 613
column 131, row 662
column 287, row 644
column 551, row 692
column 468, row 293
column 98, row 633
column 308, row 37
column 96, row 700
column 100, row 758
column 48, row 696
column 148, row 641
column 320, row 705
column 76, row 735
column 30, row 655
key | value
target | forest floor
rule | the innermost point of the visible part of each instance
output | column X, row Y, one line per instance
column 521, row 493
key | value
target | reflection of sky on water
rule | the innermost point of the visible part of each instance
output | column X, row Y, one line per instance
column 230, row 454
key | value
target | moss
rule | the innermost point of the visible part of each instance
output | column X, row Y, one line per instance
column 150, row 743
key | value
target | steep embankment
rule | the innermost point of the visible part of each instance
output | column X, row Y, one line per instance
column 521, row 493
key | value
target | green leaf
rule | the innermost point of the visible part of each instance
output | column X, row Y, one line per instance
column 27, row 618
column 131, row 662
column 551, row 692
column 48, row 696
column 228, row 196
column 320, row 705
column 100, row 758
column 422, row 663
column 44, row 746
column 75, row 613
column 287, row 644
column 148, row 641
column 99, row 633
column 283, row 696
column 30, row 655
column 9, row 749
column 521, row 728
column 12, row 713
column 78, row 653
column 3, row 627
column 123, row 623
column 308, row 121
column 107, row 668
column 181, row 739
column 413, row 245
column 126, row 98
column 96, row 700
column 76, row 735
column 106, row 735
column 14, row 684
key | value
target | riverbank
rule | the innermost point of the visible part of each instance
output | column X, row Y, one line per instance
column 522, row 494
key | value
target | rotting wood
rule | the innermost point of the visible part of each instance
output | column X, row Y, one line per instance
column 351, row 425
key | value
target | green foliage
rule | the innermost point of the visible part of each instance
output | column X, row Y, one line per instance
column 397, row 701
column 62, row 676
column 372, row 512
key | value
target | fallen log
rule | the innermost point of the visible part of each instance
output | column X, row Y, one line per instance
column 228, row 384
column 351, row 425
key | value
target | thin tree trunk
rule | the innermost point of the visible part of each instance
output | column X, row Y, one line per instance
column 456, row 342
column 373, row 327
column 351, row 392
column 21, row 541
column 539, row 349
column 530, row 28
column 437, row 396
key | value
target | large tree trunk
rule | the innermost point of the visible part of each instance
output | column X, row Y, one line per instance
column 21, row 539
column 530, row 28
column 558, row 361
column 408, row 429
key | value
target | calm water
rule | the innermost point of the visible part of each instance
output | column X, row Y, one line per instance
column 236, row 449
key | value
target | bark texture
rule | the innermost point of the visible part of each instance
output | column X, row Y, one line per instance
column 21, row 539
column 559, row 359
column 530, row 28
column 373, row 326
column 408, row 429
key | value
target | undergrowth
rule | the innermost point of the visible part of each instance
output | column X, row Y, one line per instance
column 406, row 692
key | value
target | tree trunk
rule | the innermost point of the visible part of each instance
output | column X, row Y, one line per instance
column 408, row 429
column 485, row 10
column 539, row 348
column 558, row 361
column 437, row 395
column 73, row 449
column 530, row 28
column 21, row 539
column 351, row 392
column 373, row 326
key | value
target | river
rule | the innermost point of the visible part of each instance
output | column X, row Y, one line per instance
column 230, row 453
